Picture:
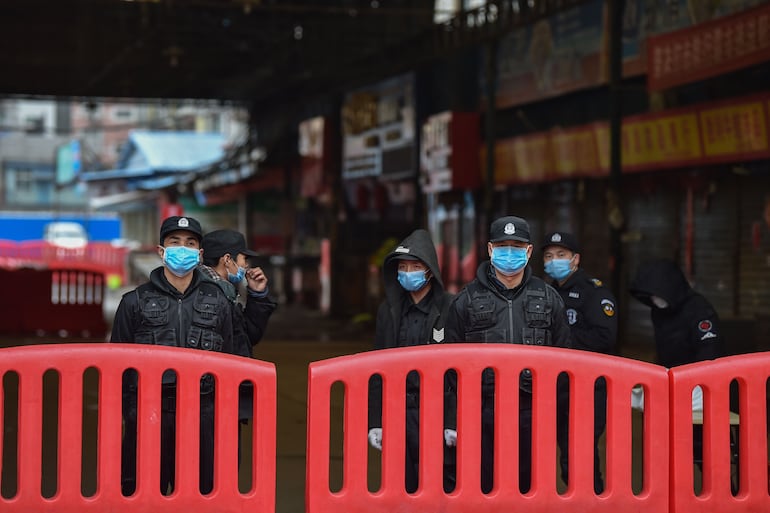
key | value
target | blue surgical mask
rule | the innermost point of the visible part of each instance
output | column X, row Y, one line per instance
column 509, row 259
column 180, row 260
column 412, row 281
column 558, row 268
column 236, row 278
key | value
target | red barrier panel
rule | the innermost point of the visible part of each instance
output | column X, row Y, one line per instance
column 69, row 362
column 507, row 361
column 720, row 430
column 101, row 257
column 52, row 302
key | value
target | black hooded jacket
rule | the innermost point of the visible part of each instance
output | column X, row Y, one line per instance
column 688, row 329
column 390, row 312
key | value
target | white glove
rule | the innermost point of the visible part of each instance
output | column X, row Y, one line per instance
column 375, row 438
column 450, row 437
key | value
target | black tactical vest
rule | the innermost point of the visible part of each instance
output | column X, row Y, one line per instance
column 525, row 319
column 160, row 318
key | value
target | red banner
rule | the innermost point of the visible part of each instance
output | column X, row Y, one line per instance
column 709, row 49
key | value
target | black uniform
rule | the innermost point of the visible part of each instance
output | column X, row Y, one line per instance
column 402, row 323
column 250, row 319
column 591, row 313
column 590, row 309
column 688, row 329
column 156, row 313
column 531, row 314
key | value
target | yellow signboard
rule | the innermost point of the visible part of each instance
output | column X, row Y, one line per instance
column 734, row 129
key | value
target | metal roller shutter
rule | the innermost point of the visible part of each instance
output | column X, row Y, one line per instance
column 652, row 221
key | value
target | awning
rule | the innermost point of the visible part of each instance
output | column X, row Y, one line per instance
column 134, row 198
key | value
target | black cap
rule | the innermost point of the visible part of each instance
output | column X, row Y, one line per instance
column 563, row 239
column 223, row 242
column 402, row 253
column 174, row 223
column 509, row 228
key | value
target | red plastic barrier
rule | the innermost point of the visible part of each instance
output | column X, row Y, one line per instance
column 751, row 371
column 469, row 360
column 99, row 257
column 70, row 361
column 51, row 302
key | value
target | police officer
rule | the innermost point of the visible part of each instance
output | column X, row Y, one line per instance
column 506, row 303
column 686, row 324
column 413, row 313
column 591, row 314
column 225, row 260
column 178, row 307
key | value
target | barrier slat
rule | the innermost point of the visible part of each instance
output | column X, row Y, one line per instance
column 507, row 361
column 70, row 442
column 188, row 438
column 148, row 436
column 431, row 431
column 109, row 429
column 110, row 361
column 226, row 426
column 619, row 432
column 393, row 421
column 508, row 474
column 30, row 422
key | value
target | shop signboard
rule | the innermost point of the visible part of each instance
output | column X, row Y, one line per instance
column 313, row 150
column 68, row 162
column 378, row 125
column 568, row 51
column 574, row 152
column 709, row 49
column 448, row 152
column 736, row 130
column 668, row 140
column 555, row 55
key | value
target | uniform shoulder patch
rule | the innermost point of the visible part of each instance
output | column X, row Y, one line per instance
column 707, row 328
column 608, row 307
column 597, row 283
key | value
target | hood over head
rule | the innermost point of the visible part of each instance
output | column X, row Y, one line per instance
column 418, row 245
column 661, row 278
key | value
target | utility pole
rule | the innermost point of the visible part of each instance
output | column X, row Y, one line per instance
column 615, row 214
column 489, row 137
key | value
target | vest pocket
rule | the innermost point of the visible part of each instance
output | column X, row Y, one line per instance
column 537, row 313
column 536, row 337
column 481, row 312
column 206, row 339
column 205, row 312
column 155, row 311
column 159, row 336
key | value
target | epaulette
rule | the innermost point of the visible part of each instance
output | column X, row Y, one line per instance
column 597, row 283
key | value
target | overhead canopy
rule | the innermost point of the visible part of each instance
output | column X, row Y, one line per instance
column 152, row 161
column 266, row 53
